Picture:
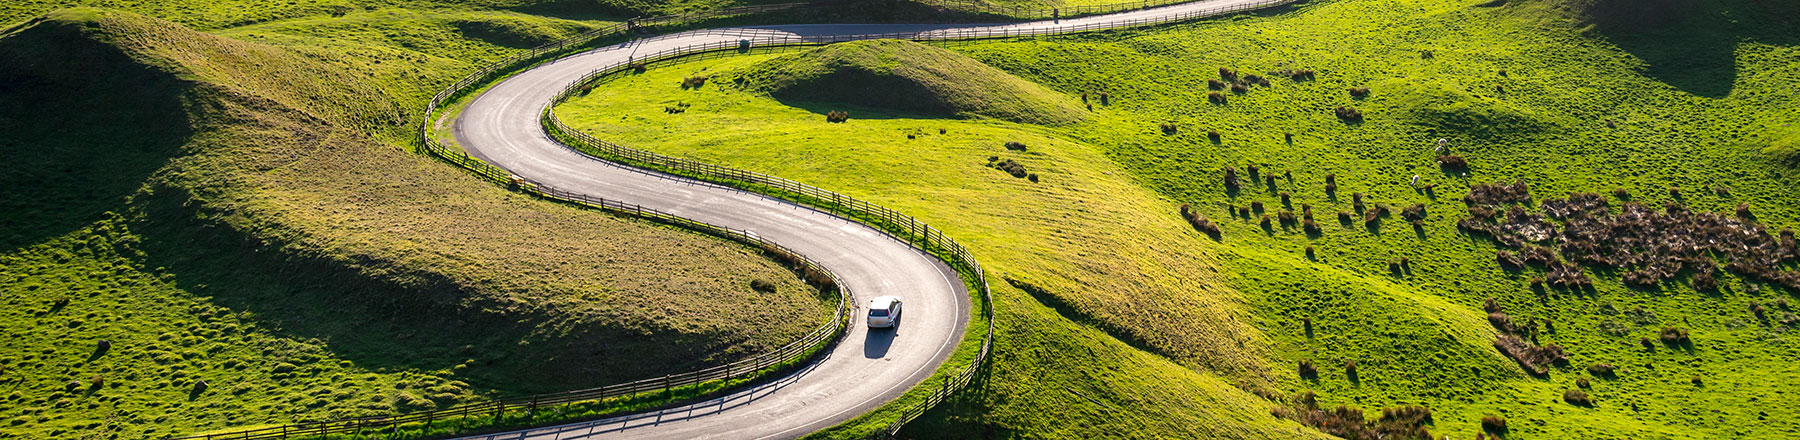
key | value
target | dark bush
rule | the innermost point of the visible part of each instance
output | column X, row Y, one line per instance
column 762, row 285
column 1307, row 370
column 1493, row 424
column 1231, row 179
column 1015, row 146
column 693, row 82
column 837, row 116
column 1287, row 218
column 1452, row 163
column 1535, row 359
column 1350, row 371
column 1216, row 98
column 1621, row 194
column 1349, row 114
column 1675, row 193
column 1603, row 370
column 1359, row 92
column 1200, row 223
column 1254, row 172
column 1169, row 128
column 1212, row 134
column 1215, row 84
column 1105, row 98
column 1508, row 260
column 1674, row 336
column 1345, row 217
column 1286, row 199
column 1266, row 225
column 1414, row 212
column 1256, row 206
column 1704, row 280
column 1033, row 177
column 1648, row 343
column 1239, row 88
column 1012, row 167
column 1298, row 74
column 1228, row 75
column 1311, row 255
column 1697, row 381
column 1583, row 383
column 1577, row 398
column 1743, row 211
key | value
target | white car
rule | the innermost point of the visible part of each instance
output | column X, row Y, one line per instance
column 884, row 311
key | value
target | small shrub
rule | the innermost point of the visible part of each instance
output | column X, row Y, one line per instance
column 1216, row 98
column 1359, row 92
column 1214, row 84
column 1493, row 424
column 1426, row 54
column 1254, row 172
column 1743, row 211
column 1331, row 184
column 762, row 285
column 1350, row 371
column 1286, row 199
column 96, row 382
column 1697, row 381
column 837, row 116
column 1231, row 179
column 1348, row 114
column 1577, row 398
column 1287, row 218
column 1602, row 369
column 1239, row 88
column 1311, row 228
column 1299, row 74
column 1508, row 260
column 1344, row 217
column 1621, row 194
column 1228, row 75
column 1015, row 146
column 1200, row 223
column 1307, row 370
column 1414, row 212
column 1033, row 177
column 1168, row 128
column 1105, row 98
column 1266, row 225
column 1012, row 167
column 1453, row 163
column 1583, row 383
column 1310, row 255
column 1647, row 343
column 1212, row 134
column 1674, row 336
column 1256, row 206
column 693, row 82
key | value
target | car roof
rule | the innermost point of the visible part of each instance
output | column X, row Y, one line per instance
column 883, row 302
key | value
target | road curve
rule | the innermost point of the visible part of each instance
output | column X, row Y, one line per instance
column 868, row 368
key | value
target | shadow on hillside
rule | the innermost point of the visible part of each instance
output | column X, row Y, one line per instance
column 1691, row 44
column 81, row 127
column 397, row 319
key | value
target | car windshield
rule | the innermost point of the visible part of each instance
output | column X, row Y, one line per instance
column 879, row 313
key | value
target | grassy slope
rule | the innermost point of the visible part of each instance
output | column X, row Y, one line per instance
column 1419, row 338
column 906, row 76
column 228, row 212
column 1085, row 235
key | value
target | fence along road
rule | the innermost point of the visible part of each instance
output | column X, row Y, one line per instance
column 865, row 370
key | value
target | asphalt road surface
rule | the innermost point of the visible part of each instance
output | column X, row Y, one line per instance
column 870, row 366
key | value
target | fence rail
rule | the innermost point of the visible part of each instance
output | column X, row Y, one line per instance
column 892, row 222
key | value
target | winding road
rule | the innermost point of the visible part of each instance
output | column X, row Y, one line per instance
column 868, row 367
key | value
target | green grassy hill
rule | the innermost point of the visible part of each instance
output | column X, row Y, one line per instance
column 239, row 223
column 1120, row 320
column 900, row 75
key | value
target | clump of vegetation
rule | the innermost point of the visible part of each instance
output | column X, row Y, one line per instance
column 1359, row 92
column 1308, row 371
column 1397, row 423
column 1348, row 114
column 1231, row 180
column 1015, row 146
column 676, row 108
column 1216, row 98
column 762, row 285
column 1602, row 370
column 1010, row 166
column 1200, row 222
column 1453, row 163
column 693, row 82
column 1577, row 398
column 1168, row 128
column 1674, row 337
column 1493, row 424
column 1213, row 135
column 1535, row 359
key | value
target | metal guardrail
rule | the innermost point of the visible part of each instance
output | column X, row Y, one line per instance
column 901, row 226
